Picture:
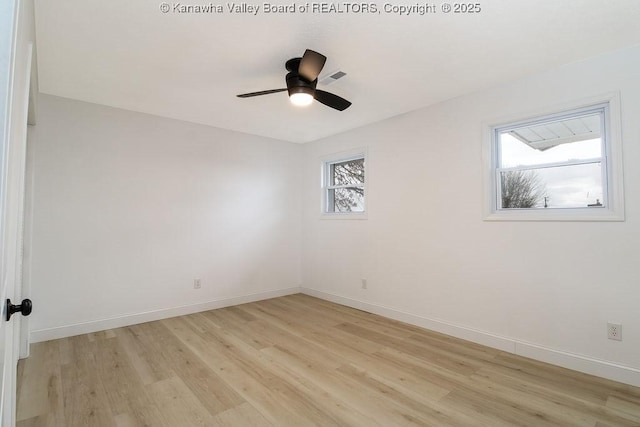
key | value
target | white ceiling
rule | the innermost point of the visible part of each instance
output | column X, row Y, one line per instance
column 127, row 54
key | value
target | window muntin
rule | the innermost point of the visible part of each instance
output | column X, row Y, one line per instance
column 552, row 163
column 344, row 184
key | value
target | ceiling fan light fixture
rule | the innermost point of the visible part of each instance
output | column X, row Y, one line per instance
column 301, row 97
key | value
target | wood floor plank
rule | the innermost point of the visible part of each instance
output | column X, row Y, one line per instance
column 413, row 386
column 85, row 400
column 40, row 385
column 141, row 355
column 301, row 361
column 257, row 386
column 177, row 405
column 293, row 322
column 341, row 343
column 122, row 386
column 212, row 392
column 368, row 408
column 354, row 315
column 415, row 411
column 587, row 387
column 242, row 415
column 538, row 406
column 329, row 397
column 463, row 365
column 294, row 397
column 255, row 333
column 566, row 401
column 627, row 406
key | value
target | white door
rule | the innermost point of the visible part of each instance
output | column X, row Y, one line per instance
column 7, row 22
column 15, row 77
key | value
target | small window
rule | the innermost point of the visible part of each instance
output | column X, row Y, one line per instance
column 344, row 186
column 555, row 167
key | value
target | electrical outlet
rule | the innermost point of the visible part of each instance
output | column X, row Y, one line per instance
column 197, row 284
column 364, row 283
column 614, row 331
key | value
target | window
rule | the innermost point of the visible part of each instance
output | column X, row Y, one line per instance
column 343, row 185
column 557, row 167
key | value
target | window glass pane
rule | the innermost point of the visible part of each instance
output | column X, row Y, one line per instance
column 575, row 138
column 576, row 186
column 350, row 172
column 349, row 199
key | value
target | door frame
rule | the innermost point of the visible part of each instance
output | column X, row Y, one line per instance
column 23, row 287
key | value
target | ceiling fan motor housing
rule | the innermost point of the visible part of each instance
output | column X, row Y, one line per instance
column 297, row 84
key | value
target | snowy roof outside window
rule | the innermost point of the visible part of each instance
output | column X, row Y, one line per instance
column 551, row 134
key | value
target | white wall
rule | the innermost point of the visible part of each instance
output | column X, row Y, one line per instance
column 542, row 289
column 129, row 208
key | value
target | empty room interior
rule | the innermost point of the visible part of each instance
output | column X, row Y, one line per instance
column 291, row 214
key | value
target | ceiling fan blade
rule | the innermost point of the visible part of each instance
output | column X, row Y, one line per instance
column 331, row 100
column 311, row 64
column 262, row 92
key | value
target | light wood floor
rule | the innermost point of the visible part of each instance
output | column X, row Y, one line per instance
column 297, row 361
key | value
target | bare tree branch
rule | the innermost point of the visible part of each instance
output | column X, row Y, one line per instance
column 349, row 173
column 522, row 189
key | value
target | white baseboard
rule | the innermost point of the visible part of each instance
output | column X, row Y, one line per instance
column 580, row 363
column 149, row 316
column 576, row 362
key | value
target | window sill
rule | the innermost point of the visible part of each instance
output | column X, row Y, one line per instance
column 347, row 216
column 575, row 214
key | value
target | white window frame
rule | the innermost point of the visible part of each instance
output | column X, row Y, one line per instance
column 326, row 163
column 613, row 209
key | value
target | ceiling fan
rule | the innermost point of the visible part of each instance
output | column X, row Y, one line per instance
column 301, row 83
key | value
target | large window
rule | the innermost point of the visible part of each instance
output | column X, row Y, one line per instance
column 556, row 167
column 344, row 185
